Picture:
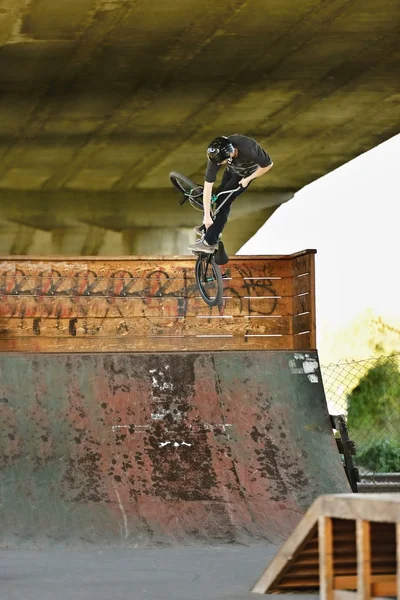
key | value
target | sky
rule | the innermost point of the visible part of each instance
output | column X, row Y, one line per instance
column 352, row 218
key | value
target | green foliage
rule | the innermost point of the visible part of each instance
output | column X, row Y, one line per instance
column 374, row 404
column 373, row 417
column 381, row 457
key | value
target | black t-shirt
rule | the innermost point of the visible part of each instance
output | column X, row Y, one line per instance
column 250, row 157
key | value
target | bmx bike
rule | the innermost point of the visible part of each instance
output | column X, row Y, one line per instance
column 209, row 278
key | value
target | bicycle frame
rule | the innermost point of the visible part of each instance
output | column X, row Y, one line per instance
column 214, row 198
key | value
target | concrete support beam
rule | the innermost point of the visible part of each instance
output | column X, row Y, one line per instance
column 69, row 223
column 118, row 211
column 88, row 240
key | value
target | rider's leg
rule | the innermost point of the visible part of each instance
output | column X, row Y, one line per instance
column 213, row 232
column 225, row 182
column 228, row 181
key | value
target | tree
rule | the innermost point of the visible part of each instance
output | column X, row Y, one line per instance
column 373, row 415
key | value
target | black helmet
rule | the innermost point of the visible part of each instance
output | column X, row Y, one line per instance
column 219, row 149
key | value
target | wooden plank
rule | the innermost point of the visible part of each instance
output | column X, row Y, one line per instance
column 363, row 534
column 307, row 560
column 159, row 258
column 238, row 267
column 308, row 566
column 378, row 583
column 302, row 264
column 99, row 286
column 160, row 286
column 344, row 595
column 272, row 577
column 345, row 582
column 301, row 285
column 313, row 551
column 64, row 307
column 346, row 539
column 295, row 573
column 145, row 344
column 313, row 309
column 301, row 323
column 302, row 341
column 295, row 585
column 143, row 326
column 383, row 508
column 325, row 534
column 385, row 587
column 302, row 304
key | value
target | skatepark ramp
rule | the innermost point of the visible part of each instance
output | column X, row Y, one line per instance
column 133, row 413
column 346, row 546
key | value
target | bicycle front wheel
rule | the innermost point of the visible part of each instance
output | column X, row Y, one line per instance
column 209, row 279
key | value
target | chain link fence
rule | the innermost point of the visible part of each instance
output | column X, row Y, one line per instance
column 367, row 393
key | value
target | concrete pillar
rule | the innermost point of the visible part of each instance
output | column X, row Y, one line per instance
column 158, row 241
column 18, row 240
column 88, row 240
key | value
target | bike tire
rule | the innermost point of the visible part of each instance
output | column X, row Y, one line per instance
column 216, row 272
column 184, row 184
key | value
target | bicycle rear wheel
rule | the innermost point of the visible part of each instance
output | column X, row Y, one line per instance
column 209, row 279
column 188, row 188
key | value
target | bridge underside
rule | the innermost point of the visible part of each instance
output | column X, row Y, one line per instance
column 102, row 98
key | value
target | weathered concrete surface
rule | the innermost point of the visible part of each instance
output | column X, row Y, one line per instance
column 102, row 98
column 145, row 449
column 218, row 573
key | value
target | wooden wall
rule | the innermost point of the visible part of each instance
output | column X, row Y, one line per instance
column 152, row 304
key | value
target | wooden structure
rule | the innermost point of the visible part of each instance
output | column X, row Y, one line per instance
column 346, row 546
column 152, row 304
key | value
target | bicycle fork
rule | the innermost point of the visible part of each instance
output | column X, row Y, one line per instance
column 204, row 272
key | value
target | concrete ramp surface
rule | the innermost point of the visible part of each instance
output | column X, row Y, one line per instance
column 164, row 448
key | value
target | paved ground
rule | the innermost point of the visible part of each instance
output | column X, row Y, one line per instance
column 185, row 573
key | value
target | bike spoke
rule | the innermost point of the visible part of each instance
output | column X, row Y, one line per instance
column 210, row 285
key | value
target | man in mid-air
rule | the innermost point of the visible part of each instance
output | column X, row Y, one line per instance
column 245, row 160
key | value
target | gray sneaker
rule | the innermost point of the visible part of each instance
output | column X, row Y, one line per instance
column 202, row 246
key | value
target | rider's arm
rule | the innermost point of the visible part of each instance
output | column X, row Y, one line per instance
column 260, row 171
column 207, row 203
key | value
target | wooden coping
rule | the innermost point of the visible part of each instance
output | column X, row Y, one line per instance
column 346, row 546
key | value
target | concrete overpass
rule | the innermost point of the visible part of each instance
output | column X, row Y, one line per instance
column 102, row 98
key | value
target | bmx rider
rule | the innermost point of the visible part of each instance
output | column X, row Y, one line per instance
column 246, row 160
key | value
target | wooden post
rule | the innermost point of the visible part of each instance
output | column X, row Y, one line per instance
column 313, row 336
column 363, row 560
column 398, row 558
column 325, row 535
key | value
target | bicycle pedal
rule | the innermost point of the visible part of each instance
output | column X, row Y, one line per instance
column 225, row 276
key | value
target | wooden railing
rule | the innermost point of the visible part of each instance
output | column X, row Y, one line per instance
column 347, row 547
column 152, row 304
